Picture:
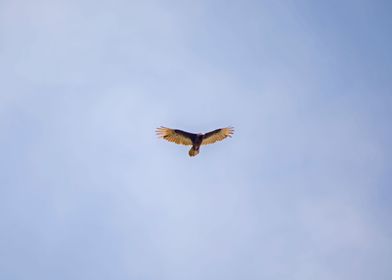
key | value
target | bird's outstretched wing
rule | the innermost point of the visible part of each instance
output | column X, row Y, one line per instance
column 217, row 135
column 175, row 135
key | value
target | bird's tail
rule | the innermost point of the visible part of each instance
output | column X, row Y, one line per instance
column 193, row 152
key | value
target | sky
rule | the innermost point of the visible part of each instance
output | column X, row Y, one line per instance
column 301, row 191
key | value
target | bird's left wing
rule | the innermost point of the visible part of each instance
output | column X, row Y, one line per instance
column 175, row 135
column 217, row 135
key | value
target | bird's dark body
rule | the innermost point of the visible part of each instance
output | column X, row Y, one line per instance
column 196, row 139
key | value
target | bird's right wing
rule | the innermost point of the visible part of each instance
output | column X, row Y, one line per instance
column 217, row 135
column 175, row 135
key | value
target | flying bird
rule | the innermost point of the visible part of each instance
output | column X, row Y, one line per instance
column 192, row 139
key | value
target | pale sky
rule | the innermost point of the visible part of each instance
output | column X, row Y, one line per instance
column 302, row 190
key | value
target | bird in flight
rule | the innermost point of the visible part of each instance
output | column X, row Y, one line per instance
column 192, row 139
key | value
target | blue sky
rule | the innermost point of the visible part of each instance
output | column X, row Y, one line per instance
column 302, row 190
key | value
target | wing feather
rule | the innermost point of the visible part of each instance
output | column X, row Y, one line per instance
column 175, row 135
column 217, row 135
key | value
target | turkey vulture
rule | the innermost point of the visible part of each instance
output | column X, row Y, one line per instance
column 192, row 139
